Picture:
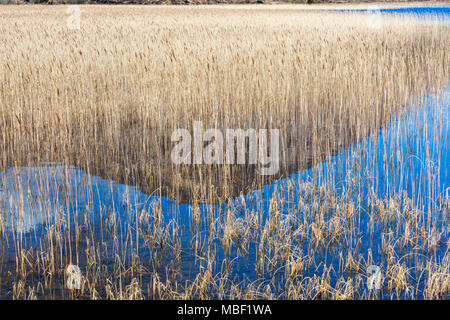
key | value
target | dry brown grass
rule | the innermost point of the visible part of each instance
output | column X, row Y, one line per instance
column 106, row 98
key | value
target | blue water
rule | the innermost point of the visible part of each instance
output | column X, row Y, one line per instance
column 442, row 11
column 437, row 13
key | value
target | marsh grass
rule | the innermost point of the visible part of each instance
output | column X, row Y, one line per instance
column 105, row 99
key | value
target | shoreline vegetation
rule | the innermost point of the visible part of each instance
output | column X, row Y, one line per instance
column 100, row 103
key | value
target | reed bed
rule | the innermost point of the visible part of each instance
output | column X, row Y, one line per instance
column 106, row 98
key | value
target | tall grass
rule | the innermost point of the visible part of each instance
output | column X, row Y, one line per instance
column 107, row 97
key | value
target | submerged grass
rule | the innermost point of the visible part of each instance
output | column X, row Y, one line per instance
column 106, row 98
